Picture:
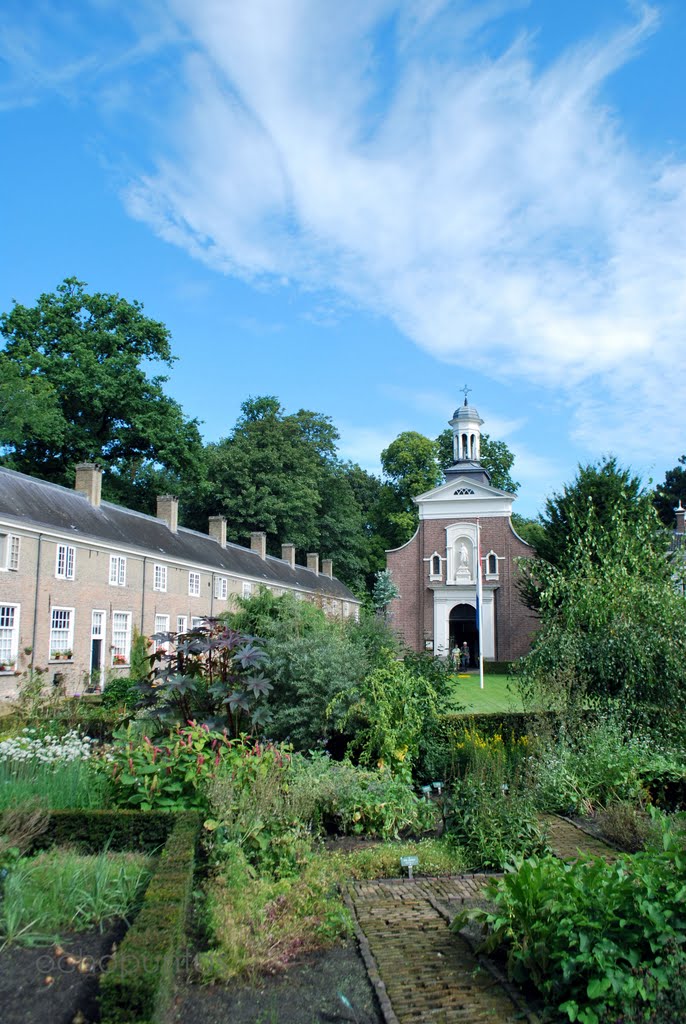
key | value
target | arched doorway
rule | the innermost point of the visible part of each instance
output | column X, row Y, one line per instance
column 462, row 625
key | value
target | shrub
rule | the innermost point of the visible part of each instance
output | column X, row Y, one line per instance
column 355, row 801
column 311, row 659
column 212, row 674
column 390, row 713
column 492, row 821
column 138, row 985
column 626, row 825
column 597, row 939
column 121, row 692
column 168, row 776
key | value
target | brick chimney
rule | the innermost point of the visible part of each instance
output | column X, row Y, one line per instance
column 680, row 518
column 258, row 543
column 288, row 554
column 168, row 510
column 89, row 482
column 313, row 562
column 217, row 529
column 327, row 568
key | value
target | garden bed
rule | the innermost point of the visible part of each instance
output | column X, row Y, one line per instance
column 310, row 989
column 28, row 995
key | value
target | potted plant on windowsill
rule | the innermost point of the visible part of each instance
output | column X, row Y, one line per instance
column 119, row 659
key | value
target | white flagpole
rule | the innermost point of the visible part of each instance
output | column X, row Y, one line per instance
column 480, row 604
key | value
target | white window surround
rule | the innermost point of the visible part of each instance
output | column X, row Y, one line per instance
column 197, row 621
column 121, row 638
column 117, row 571
column 490, row 561
column 247, row 589
column 9, row 635
column 65, row 562
column 435, row 576
column 10, row 545
column 194, row 584
column 159, row 581
column 162, row 626
column 61, row 633
column 221, row 588
column 181, row 623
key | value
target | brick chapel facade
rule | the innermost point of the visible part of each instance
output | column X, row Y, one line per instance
column 435, row 571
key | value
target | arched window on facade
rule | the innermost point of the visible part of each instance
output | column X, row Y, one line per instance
column 492, row 566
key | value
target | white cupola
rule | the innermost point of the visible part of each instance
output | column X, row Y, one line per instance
column 466, row 424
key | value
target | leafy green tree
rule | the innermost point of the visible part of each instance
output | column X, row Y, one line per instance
column 280, row 473
column 384, row 591
column 496, row 458
column 612, row 623
column 672, row 491
column 410, row 465
column 74, row 383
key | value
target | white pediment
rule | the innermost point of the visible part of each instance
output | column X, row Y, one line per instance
column 462, row 496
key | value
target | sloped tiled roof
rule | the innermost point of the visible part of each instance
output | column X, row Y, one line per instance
column 40, row 504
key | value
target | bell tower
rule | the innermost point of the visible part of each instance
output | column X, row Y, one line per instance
column 466, row 424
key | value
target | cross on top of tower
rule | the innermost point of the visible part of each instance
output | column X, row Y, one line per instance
column 466, row 391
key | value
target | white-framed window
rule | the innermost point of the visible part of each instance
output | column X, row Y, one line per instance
column 194, row 584
column 181, row 623
column 160, row 578
column 65, row 562
column 117, row 571
column 9, row 551
column 9, row 635
column 492, row 566
column 162, row 626
column 197, row 622
column 435, row 566
column 61, row 633
column 247, row 589
column 221, row 588
column 121, row 638
column 346, row 609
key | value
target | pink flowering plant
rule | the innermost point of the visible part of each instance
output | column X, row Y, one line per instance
column 172, row 773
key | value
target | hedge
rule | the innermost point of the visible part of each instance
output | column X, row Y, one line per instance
column 93, row 831
column 138, row 984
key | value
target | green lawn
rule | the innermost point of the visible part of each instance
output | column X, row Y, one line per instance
column 495, row 696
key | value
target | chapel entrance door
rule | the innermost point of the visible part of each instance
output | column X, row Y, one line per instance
column 463, row 629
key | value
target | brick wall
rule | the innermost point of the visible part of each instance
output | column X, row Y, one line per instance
column 412, row 613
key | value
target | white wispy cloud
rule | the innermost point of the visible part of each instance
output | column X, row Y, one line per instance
column 494, row 209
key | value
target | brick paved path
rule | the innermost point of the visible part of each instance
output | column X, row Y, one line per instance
column 422, row 972
column 567, row 841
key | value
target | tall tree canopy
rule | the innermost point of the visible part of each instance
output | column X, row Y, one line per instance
column 612, row 623
column 602, row 494
column 672, row 491
column 73, row 388
column 280, row 473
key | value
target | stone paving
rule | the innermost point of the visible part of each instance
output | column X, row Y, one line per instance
column 422, row 972
column 567, row 840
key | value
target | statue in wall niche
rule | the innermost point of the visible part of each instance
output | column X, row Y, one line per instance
column 463, row 559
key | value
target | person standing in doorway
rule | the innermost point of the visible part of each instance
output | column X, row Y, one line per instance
column 465, row 657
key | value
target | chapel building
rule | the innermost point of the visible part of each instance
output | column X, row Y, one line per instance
column 436, row 570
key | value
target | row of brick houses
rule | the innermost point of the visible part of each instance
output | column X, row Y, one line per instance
column 78, row 575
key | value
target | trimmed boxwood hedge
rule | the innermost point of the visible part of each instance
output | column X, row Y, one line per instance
column 138, row 984
column 93, row 831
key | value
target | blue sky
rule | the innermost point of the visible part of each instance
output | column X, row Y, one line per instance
column 362, row 207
